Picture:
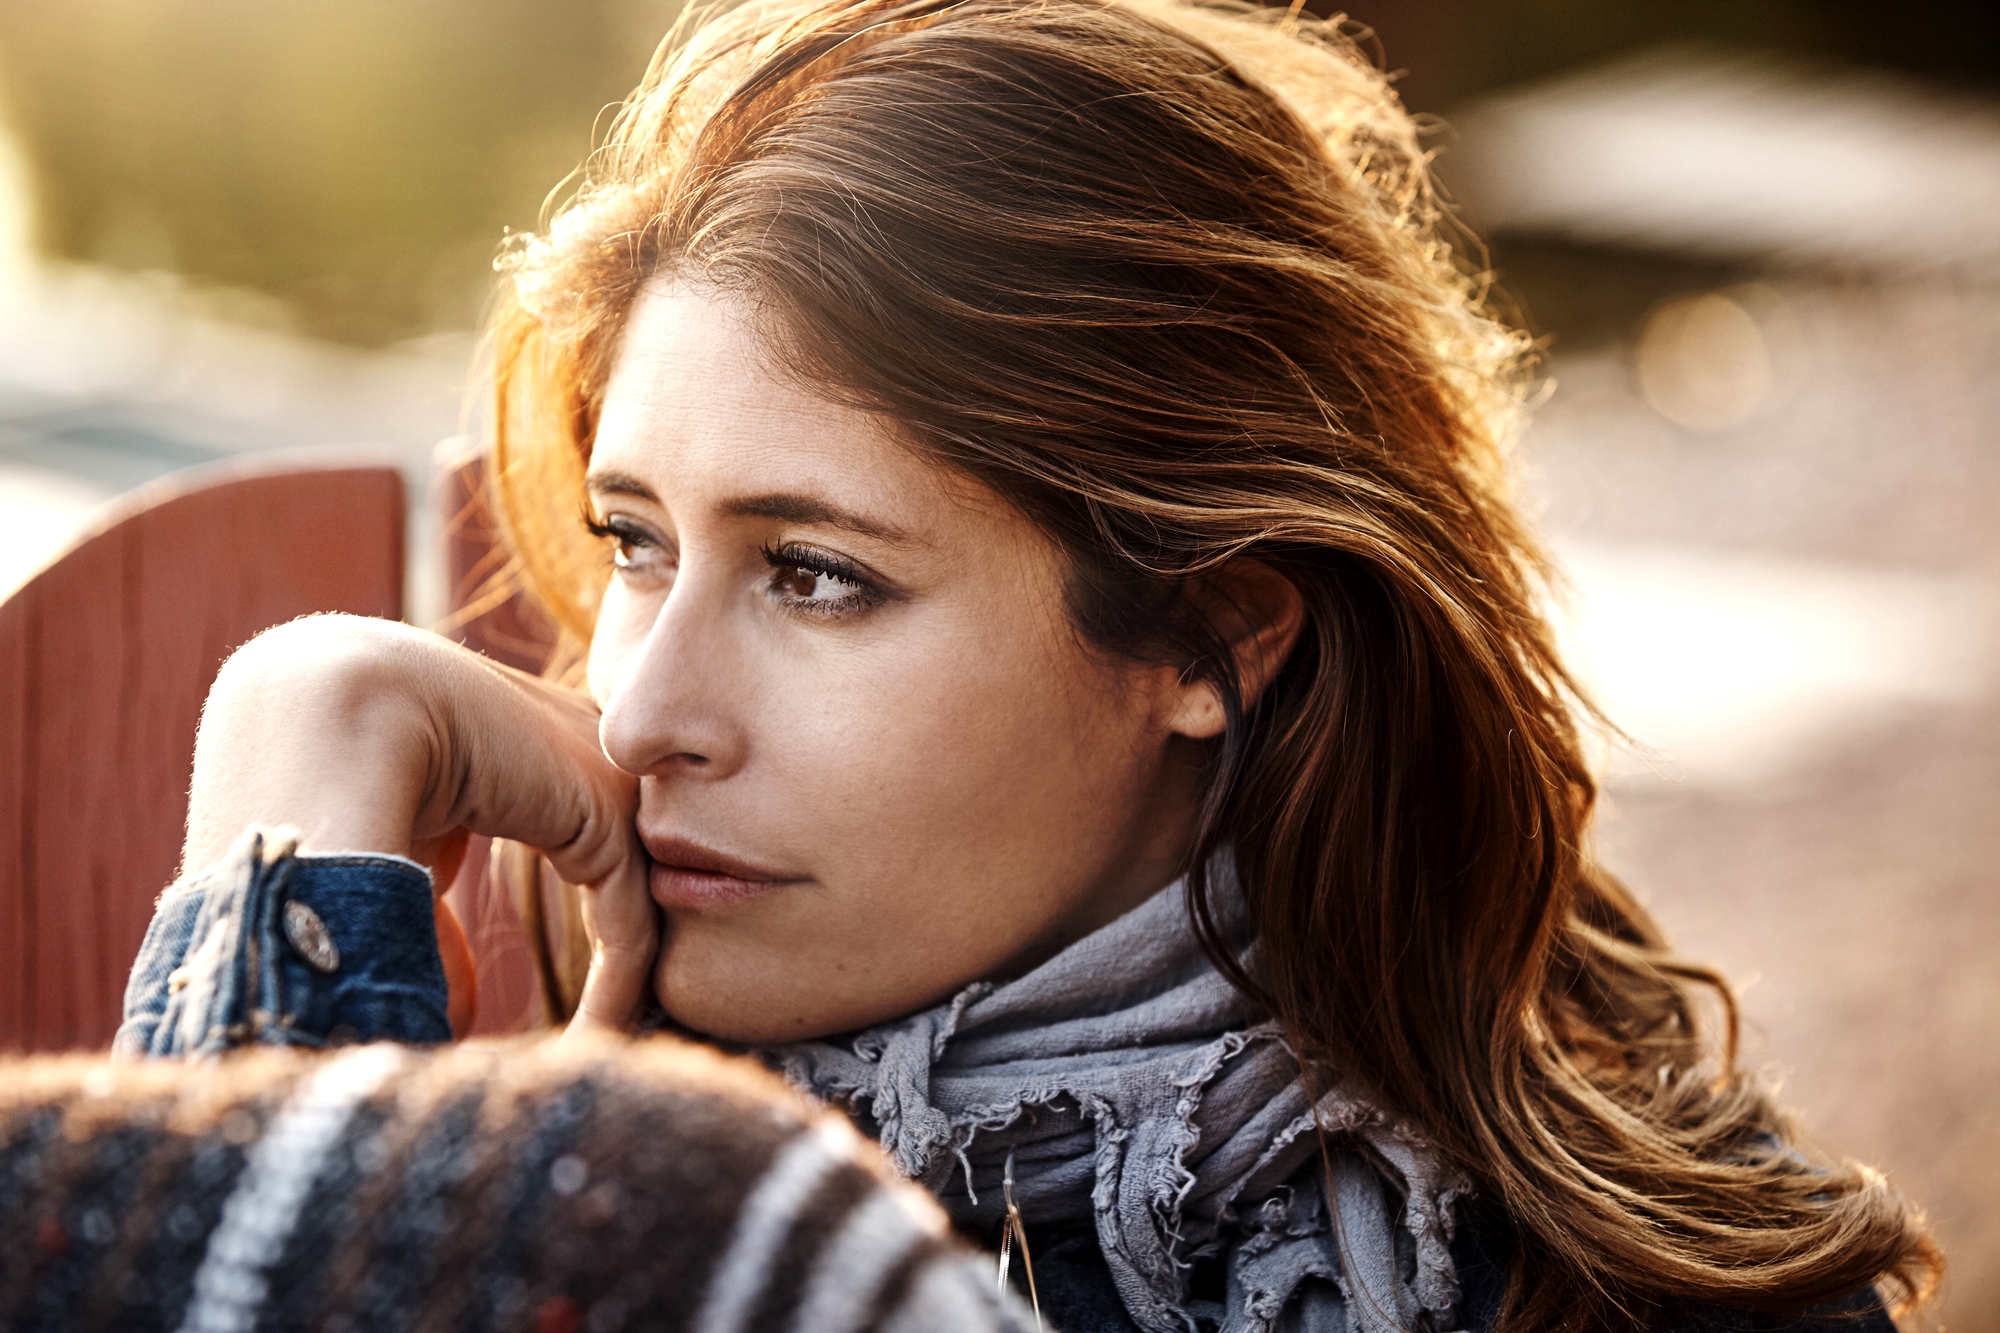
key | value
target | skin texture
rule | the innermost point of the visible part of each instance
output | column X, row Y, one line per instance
column 366, row 735
column 821, row 657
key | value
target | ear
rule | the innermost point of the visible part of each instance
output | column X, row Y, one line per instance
column 1258, row 612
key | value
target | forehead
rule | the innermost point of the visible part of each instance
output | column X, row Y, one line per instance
column 697, row 406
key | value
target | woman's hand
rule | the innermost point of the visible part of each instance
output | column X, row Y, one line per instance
column 367, row 735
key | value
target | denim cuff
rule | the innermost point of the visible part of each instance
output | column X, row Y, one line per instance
column 271, row 947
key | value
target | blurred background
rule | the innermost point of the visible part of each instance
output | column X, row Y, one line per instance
column 1759, row 238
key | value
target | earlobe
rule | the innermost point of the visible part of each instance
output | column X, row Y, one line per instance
column 1198, row 712
column 1258, row 612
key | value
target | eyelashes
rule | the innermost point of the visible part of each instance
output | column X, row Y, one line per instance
column 800, row 571
column 804, row 579
column 629, row 536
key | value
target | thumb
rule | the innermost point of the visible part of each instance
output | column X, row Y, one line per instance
column 624, row 927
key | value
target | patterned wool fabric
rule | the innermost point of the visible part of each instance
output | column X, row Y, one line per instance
column 645, row 1185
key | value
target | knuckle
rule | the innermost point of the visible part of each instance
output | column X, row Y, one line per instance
column 311, row 643
column 342, row 661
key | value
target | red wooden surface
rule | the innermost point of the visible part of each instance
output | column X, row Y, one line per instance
column 488, row 614
column 105, row 657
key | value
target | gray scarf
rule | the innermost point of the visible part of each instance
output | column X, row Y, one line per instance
column 1142, row 1093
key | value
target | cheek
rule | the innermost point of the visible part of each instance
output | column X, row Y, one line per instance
column 999, row 742
column 951, row 805
column 955, row 757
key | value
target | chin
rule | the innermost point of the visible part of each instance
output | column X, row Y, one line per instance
column 723, row 1003
column 766, row 996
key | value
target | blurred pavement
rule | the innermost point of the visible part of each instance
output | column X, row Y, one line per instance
column 1776, row 493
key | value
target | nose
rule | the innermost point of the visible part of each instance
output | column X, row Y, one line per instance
column 671, row 706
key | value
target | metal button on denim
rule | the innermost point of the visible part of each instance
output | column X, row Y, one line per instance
column 310, row 937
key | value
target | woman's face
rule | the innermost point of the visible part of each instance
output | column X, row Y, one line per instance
column 876, row 761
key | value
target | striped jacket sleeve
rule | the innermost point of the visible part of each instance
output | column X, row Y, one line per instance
column 605, row 1187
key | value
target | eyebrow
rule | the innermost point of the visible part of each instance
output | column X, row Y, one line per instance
column 619, row 483
column 794, row 508
column 787, row 506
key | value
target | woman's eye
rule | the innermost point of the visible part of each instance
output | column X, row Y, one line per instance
column 811, row 584
column 820, row 582
column 633, row 547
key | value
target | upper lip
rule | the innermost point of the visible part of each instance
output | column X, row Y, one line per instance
column 681, row 854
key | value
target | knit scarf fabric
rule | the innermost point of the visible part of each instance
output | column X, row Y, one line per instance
column 1140, row 1092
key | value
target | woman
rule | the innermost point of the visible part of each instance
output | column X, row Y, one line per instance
column 1062, row 677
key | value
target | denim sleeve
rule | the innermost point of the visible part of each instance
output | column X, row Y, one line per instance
column 271, row 947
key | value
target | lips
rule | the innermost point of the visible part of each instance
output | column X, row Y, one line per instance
column 690, row 877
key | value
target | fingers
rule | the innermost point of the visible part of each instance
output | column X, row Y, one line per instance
column 396, row 740
column 624, row 927
column 612, row 994
column 518, row 758
column 530, row 768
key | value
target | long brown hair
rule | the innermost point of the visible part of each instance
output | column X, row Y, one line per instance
column 1172, row 279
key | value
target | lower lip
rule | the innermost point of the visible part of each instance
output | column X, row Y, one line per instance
column 692, row 890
